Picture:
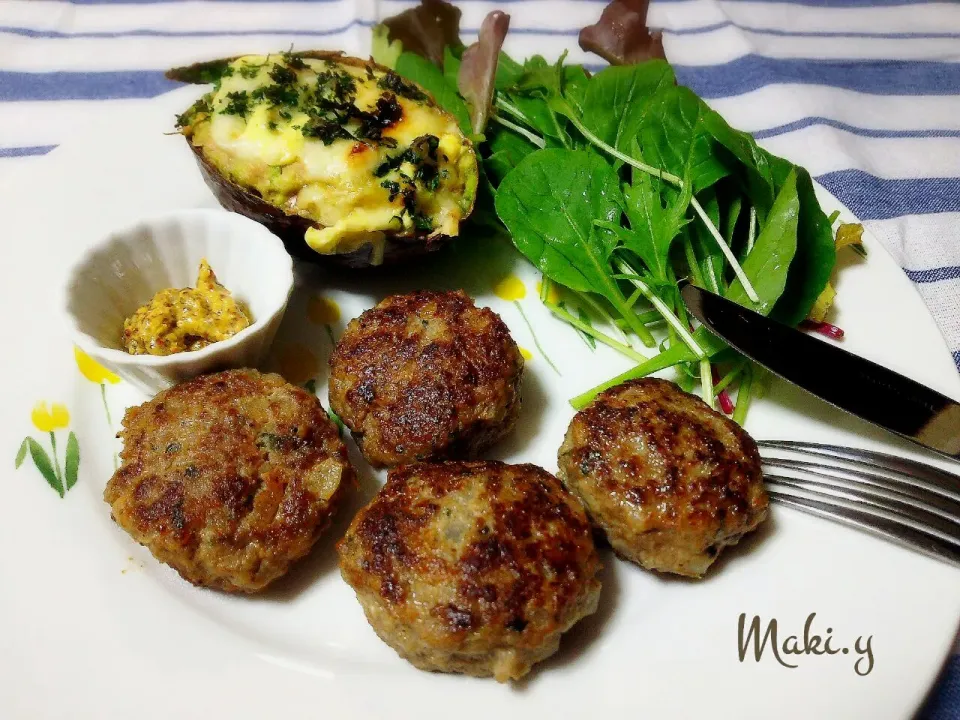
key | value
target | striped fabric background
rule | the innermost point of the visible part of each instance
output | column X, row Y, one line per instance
column 864, row 93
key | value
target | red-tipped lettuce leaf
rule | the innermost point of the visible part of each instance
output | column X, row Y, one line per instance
column 621, row 36
column 427, row 29
column 478, row 68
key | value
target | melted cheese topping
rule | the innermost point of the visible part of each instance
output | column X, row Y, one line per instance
column 347, row 183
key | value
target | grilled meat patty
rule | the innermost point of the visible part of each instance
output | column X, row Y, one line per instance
column 425, row 376
column 472, row 567
column 229, row 478
column 670, row 481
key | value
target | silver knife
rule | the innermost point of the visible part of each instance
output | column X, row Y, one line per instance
column 847, row 381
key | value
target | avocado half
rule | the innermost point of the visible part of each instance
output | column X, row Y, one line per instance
column 341, row 158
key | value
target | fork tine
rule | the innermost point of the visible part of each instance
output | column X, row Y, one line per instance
column 917, row 495
column 872, row 504
column 947, row 483
column 893, row 532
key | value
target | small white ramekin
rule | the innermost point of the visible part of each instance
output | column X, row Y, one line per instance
column 128, row 267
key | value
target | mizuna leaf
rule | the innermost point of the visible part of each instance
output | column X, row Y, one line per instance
column 478, row 68
column 71, row 464
column 768, row 263
column 42, row 461
column 816, row 255
column 653, row 226
column 621, row 36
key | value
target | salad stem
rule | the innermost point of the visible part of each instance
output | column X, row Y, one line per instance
column 743, row 396
column 604, row 313
column 714, row 285
column 512, row 109
column 662, row 308
column 535, row 340
column 641, row 331
column 673, row 179
column 725, row 381
column 752, row 233
column 609, row 149
column 533, row 138
column 596, row 334
column 654, row 364
column 648, row 317
column 692, row 261
column 727, row 252
column 706, row 383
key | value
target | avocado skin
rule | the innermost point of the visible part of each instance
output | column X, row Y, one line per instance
column 291, row 228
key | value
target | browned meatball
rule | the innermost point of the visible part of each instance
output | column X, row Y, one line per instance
column 229, row 478
column 426, row 376
column 472, row 567
column 670, row 481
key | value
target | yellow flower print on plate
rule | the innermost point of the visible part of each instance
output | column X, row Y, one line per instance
column 511, row 288
column 323, row 311
column 297, row 363
column 92, row 370
column 48, row 418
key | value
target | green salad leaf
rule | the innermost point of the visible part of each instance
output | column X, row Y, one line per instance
column 618, row 184
column 653, row 227
column 432, row 79
column 674, row 137
column 549, row 203
column 769, row 261
column 617, row 99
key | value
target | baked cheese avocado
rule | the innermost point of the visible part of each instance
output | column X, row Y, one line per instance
column 338, row 156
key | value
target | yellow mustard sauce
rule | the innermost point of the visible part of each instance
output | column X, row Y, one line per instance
column 186, row 319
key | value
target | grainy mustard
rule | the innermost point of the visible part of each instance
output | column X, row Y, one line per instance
column 186, row 319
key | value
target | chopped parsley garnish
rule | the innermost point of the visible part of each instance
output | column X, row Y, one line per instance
column 421, row 222
column 200, row 106
column 238, row 103
column 278, row 95
column 294, row 61
column 372, row 124
column 393, row 187
column 335, row 86
column 422, row 154
column 282, row 76
column 404, row 88
column 326, row 131
column 249, row 71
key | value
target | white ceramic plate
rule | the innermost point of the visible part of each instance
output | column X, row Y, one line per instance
column 92, row 626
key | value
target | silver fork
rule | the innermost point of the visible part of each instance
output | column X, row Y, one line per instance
column 904, row 501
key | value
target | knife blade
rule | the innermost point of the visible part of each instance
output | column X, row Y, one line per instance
column 847, row 381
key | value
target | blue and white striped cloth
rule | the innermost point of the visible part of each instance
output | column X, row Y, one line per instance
column 864, row 93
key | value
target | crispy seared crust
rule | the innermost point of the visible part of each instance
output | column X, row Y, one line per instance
column 472, row 567
column 426, row 375
column 669, row 480
column 290, row 228
column 229, row 478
